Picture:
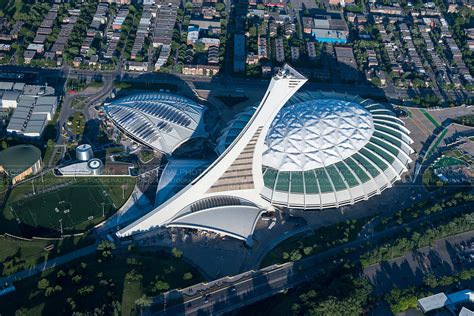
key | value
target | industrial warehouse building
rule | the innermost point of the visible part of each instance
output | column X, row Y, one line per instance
column 32, row 108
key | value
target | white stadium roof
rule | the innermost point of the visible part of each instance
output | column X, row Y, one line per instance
column 237, row 221
column 316, row 133
column 327, row 150
column 162, row 121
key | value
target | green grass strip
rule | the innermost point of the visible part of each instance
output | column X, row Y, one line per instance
column 430, row 118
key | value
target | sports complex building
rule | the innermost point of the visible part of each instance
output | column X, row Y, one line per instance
column 161, row 121
column 21, row 161
column 327, row 150
column 307, row 151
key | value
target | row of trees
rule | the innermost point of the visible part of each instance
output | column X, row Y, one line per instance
column 79, row 31
column 420, row 237
column 296, row 248
column 467, row 120
column 96, row 285
column 445, row 200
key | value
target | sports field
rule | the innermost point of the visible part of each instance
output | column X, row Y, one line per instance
column 73, row 204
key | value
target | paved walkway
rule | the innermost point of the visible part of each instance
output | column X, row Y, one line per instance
column 49, row 264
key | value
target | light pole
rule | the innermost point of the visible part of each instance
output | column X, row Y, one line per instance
column 61, row 226
column 103, row 212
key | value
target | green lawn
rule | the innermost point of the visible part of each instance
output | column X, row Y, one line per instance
column 436, row 144
column 106, row 278
column 456, row 153
column 77, row 122
column 78, row 203
column 448, row 162
column 430, row 118
column 79, row 103
column 323, row 238
column 132, row 290
column 16, row 254
column 146, row 155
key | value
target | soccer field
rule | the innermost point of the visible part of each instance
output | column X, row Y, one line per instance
column 75, row 205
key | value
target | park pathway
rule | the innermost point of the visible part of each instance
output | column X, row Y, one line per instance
column 40, row 267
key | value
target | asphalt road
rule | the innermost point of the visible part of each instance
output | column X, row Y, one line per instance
column 207, row 83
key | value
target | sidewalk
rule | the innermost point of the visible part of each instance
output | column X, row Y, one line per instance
column 38, row 268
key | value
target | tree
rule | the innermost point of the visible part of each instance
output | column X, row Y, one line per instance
column 199, row 47
column 133, row 276
column 143, row 302
column 220, row 7
column 77, row 279
column 50, row 291
column 430, row 280
column 176, row 252
column 295, row 255
column 187, row 276
column 43, row 284
column 106, row 247
column 86, row 290
column 160, row 286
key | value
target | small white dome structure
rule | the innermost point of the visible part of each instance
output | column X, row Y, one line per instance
column 95, row 166
column 84, row 152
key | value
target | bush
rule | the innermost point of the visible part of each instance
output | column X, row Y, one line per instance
column 43, row 284
column 295, row 255
column 176, row 252
column 160, row 286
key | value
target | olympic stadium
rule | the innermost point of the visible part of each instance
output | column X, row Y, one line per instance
column 327, row 150
column 162, row 121
column 311, row 150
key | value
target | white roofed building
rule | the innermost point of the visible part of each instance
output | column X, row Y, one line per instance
column 162, row 121
column 309, row 151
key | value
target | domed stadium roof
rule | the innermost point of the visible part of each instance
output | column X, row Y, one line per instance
column 327, row 150
column 162, row 121
column 315, row 133
column 16, row 159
